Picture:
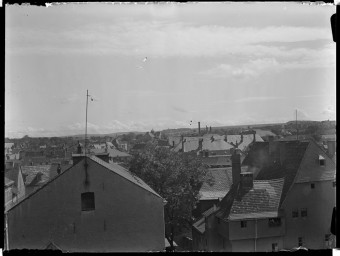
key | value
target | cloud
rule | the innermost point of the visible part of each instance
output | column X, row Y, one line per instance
column 159, row 39
column 329, row 112
column 250, row 69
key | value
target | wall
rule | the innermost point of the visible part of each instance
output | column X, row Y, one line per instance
column 262, row 244
column 319, row 203
column 126, row 218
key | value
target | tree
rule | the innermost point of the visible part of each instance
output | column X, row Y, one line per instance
column 177, row 177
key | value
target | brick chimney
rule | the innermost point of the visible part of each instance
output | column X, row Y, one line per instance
column 236, row 166
column 199, row 128
column 331, row 147
column 173, row 143
column 79, row 151
column 246, row 180
column 254, row 134
column 200, row 144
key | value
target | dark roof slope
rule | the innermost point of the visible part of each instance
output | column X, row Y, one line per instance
column 219, row 186
column 270, row 165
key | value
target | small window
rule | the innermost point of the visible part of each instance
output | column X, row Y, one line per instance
column 312, row 186
column 321, row 160
column 243, row 224
column 304, row 212
column 295, row 213
column 300, row 241
column 334, row 184
column 274, row 222
column 275, row 247
column 87, row 201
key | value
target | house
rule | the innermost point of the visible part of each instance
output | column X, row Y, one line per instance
column 14, row 187
column 137, row 148
column 279, row 199
column 115, row 155
column 93, row 206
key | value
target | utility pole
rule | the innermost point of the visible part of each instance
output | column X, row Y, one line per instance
column 87, row 98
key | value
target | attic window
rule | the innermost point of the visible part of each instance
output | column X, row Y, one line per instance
column 87, row 201
column 312, row 185
column 295, row 213
column 321, row 161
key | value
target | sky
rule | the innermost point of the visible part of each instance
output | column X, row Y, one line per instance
column 165, row 65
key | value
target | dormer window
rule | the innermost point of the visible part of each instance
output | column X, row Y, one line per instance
column 321, row 161
column 87, row 201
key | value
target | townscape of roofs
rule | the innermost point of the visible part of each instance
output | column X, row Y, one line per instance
column 271, row 191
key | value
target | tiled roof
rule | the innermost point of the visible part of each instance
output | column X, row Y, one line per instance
column 264, row 197
column 219, row 186
column 215, row 161
column 124, row 173
column 270, row 166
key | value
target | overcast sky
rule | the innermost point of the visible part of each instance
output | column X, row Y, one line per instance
column 217, row 63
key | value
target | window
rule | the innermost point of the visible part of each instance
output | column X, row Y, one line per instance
column 321, row 161
column 300, row 241
column 275, row 247
column 312, row 185
column 334, row 184
column 295, row 213
column 243, row 224
column 274, row 222
column 218, row 220
column 87, row 201
column 304, row 212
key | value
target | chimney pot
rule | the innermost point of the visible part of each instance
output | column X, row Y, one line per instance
column 199, row 128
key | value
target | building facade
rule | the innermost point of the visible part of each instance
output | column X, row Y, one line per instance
column 93, row 206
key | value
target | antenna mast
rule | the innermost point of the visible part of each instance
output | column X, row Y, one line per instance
column 297, row 131
column 87, row 97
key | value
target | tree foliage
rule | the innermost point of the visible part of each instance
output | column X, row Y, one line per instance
column 177, row 177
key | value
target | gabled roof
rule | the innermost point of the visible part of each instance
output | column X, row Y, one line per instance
column 219, row 185
column 12, row 174
column 124, row 173
column 270, row 166
column 192, row 144
column 261, row 201
column 115, row 168
column 310, row 169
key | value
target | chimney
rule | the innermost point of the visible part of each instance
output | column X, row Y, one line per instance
column 210, row 128
column 236, row 166
column 271, row 144
column 282, row 152
column 199, row 128
column 254, row 134
column 79, row 148
column 173, row 143
column 106, row 146
column 206, row 128
column 183, row 140
column 331, row 147
column 246, row 180
column 212, row 138
column 200, row 144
